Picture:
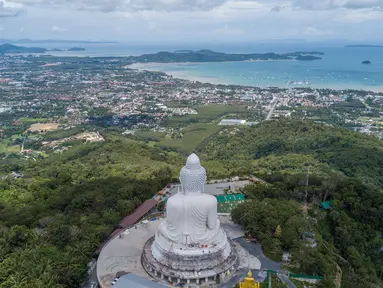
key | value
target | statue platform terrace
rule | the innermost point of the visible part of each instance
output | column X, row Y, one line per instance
column 125, row 253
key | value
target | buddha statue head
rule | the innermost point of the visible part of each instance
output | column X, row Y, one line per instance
column 193, row 175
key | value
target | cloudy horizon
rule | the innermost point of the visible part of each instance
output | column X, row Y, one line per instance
column 192, row 20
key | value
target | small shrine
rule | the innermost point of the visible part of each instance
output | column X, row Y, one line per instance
column 249, row 282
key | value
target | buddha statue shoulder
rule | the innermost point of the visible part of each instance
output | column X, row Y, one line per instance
column 191, row 214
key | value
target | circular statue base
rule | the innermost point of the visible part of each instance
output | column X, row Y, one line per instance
column 197, row 269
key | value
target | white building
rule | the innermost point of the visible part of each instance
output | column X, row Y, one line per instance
column 231, row 122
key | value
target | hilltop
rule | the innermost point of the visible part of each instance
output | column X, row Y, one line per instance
column 55, row 216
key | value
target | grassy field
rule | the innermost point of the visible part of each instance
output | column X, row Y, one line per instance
column 193, row 136
column 59, row 134
column 4, row 148
column 201, row 127
column 150, row 135
column 207, row 113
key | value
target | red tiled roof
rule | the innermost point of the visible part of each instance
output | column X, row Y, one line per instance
column 140, row 212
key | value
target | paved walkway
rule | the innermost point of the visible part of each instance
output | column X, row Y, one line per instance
column 232, row 230
column 266, row 264
column 124, row 254
column 255, row 250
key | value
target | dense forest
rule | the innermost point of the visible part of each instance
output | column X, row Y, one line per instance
column 307, row 161
column 53, row 218
column 355, row 154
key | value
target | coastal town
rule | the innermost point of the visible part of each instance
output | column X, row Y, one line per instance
column 41, row 94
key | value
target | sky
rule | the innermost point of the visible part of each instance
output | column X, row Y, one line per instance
column 192, row 20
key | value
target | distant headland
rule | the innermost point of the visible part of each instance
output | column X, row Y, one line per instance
column 206, row 55
column 364, row 46
column 13, row 49
column 23, row 41
column 76, row 49
column 183, row 56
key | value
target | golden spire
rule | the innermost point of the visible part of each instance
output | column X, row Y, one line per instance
column 249, row 282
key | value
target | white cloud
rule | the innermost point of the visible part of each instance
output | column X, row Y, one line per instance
column 127, row 5
column 318, row 32
column 336, row 4
column 57, row 29
column 360, row 16
column 193, row 20
column 108, row 6
column 7, row 10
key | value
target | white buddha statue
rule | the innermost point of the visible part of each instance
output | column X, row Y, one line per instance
column 191, row 220
column 191, row 215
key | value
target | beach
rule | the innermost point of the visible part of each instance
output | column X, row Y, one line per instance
column 339, row 68
column 264, row 74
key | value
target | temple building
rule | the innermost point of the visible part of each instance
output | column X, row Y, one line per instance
column 190, row 245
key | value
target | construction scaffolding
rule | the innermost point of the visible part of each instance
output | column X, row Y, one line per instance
column 180, row 267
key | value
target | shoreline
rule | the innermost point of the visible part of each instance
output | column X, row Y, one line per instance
column 176, row 74
column 153, row 67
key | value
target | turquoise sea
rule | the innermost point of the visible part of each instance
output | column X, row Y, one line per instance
column 340, row 67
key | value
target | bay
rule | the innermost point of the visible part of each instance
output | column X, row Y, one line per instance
column 340, row 67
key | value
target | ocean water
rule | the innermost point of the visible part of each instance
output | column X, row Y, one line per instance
column 340, row 67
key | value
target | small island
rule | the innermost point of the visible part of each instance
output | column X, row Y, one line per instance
column 366, row 62
column 76, row 49
column 205, row 55
column 56, row 50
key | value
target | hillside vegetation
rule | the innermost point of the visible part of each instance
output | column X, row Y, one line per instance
column 53, row 220
column 299, row 158
column 355, row 154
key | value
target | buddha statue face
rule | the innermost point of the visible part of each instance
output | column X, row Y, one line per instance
column 193, row 175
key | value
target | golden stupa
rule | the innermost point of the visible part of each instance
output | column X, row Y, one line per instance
column 249, row 282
